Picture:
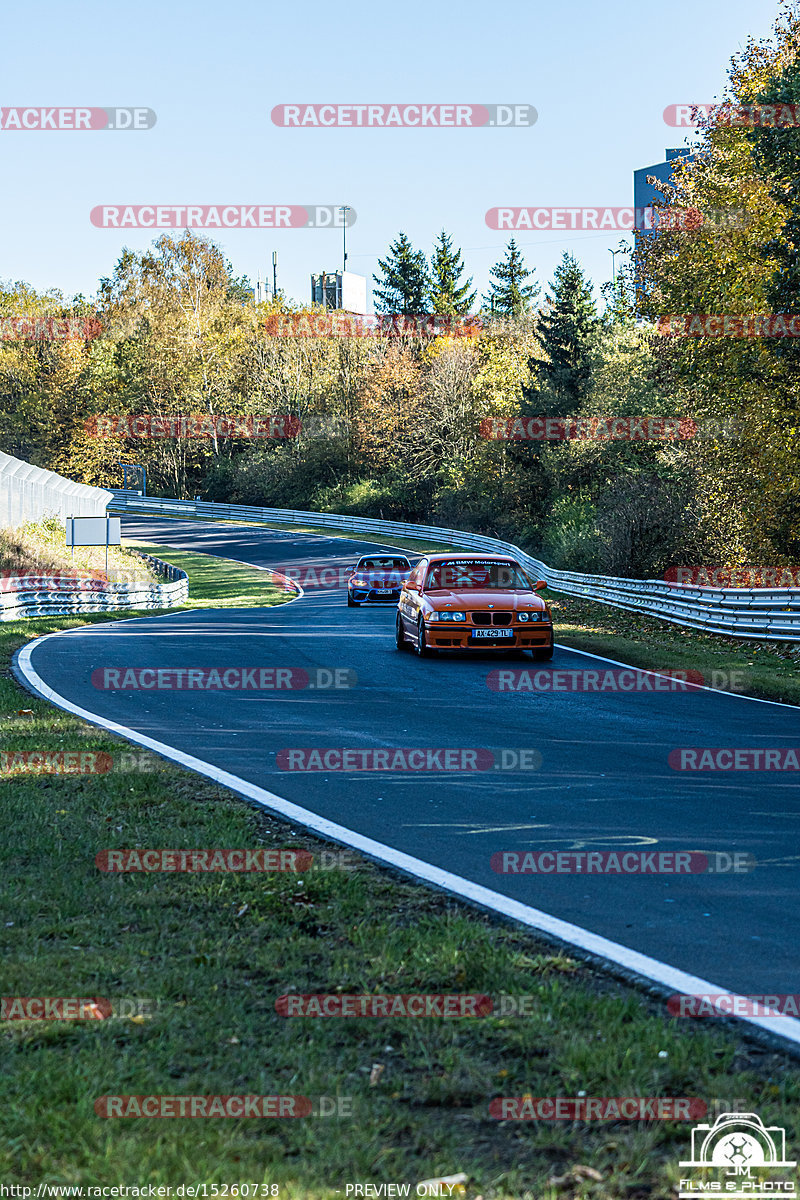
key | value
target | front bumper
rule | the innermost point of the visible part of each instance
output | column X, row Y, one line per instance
column 447, row 636
column 369, row 596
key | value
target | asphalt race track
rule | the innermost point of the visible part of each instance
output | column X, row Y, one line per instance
column 604, row 782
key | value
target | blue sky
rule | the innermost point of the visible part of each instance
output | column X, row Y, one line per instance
column 599, row 74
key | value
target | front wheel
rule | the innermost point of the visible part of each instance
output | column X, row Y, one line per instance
column 422, row 647
column 543, row 655
column 399, row 634
column 351, row 603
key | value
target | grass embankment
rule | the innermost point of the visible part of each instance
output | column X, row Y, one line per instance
column 210, row 953
column 767, row 670
column 38, row 549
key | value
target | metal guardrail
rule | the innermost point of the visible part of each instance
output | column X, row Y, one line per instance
column 768, row 614
column 54, row 595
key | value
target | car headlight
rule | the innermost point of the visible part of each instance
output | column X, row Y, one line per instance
column 531, row 616
column 360, row 583
column 448, row 616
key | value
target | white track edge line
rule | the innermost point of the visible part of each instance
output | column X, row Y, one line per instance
column 700, row 687
column 592, row 943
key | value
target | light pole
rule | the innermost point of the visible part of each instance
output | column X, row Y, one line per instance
column 614, row 254
column 344, row 208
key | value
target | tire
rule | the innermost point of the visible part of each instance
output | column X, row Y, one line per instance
column 544, row 655
column 422, row 648
column 351, row 603
column 400, row 634
column 517, row 652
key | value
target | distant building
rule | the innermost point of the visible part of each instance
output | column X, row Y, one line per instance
column 261, row 291
column 340, row 289
column 644, row 193
column 644, row 196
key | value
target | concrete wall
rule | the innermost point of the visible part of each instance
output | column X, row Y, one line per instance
column 29, row 493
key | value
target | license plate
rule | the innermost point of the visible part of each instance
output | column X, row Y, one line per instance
column 492, row 633
column 382, row 591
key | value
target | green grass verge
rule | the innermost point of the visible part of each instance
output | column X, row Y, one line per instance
column 210, row 953
column 767, row 670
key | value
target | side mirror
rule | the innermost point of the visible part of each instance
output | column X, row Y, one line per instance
column 541, row 585
column 410, row 586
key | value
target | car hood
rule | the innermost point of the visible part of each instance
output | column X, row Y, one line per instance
column 475, row 600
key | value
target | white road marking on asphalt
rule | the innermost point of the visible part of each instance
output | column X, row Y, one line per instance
column 643, row 965
column 701, row 687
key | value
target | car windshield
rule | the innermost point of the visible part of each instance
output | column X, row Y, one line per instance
column 474, row 573
column 384, row 564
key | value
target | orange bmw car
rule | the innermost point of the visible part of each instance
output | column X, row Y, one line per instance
column 473, row 602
